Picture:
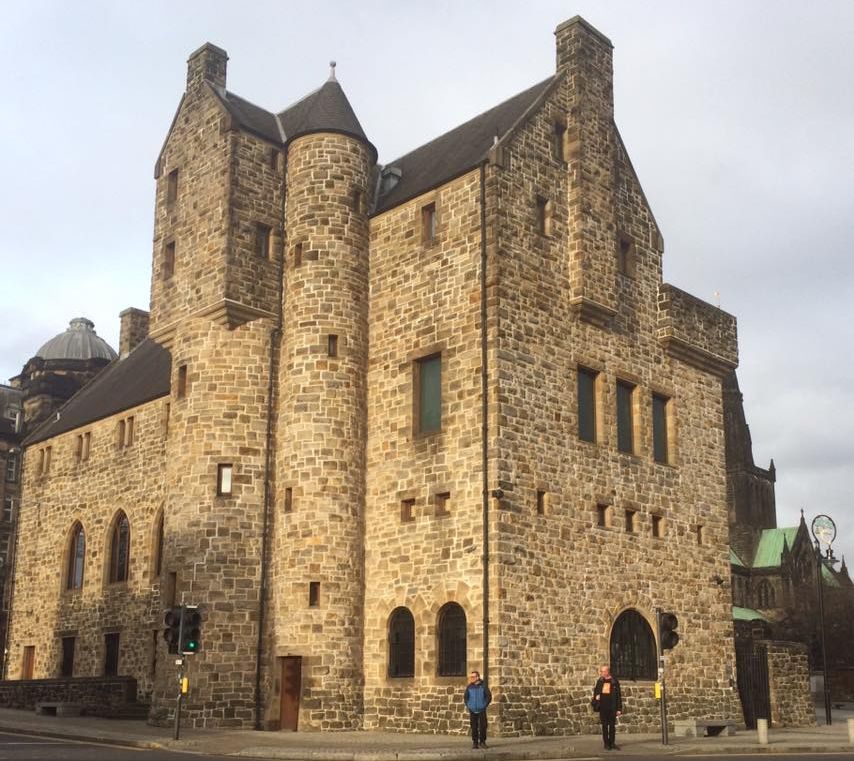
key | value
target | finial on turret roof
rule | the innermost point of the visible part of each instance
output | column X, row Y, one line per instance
column 332, row 65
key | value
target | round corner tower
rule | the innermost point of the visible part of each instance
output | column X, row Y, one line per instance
column 316, row 579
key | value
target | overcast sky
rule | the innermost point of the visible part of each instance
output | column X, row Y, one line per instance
column 738, row 116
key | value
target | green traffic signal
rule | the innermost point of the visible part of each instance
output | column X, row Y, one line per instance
column 191, row 631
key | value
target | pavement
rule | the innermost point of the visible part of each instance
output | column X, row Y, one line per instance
column 390, row 746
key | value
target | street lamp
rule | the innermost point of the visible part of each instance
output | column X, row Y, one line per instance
column 823, row 530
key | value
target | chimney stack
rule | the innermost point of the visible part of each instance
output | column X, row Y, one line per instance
column 207, row 64
column 134, row 330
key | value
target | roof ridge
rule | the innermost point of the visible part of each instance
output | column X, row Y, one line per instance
column 474, row 118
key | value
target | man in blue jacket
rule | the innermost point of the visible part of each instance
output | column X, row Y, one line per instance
column 477, row 698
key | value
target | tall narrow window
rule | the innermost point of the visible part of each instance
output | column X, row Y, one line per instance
column 66, row 670
column 120, row 433
column 262, row 240
column 428, row 394
column 158, row 544
column 129, row 431
column 223, row 479
column 111, row 654
column 542, row 502
column 545, row 210
column 313, row 594
column 701, row 535
column 451, row 633
column 587, row 404
column 172, row 186
column 76, row 558
column 625, row 417
column 559, row 141
column 297, row 254
column 120, row 548
column 12, row 467
column 428, row 223
column 8, row 508
column 658, row 526
column 625, row 256
column 401, row 644
column 633, row 648
column 630, row 521
column 332, row 345
column 660, row 442
column 181, row 391
column 289, row 499
column 169, row 260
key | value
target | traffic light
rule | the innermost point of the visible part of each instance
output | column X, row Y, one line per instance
column 172, row 632
column 669, row 637
column 191, row 631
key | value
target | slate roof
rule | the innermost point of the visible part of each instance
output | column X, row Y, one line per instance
column 138, row 378
column 459, row 150
column 325, row 110
column 770, row 547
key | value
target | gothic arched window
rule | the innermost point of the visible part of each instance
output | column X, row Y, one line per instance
column 633, row 650
column 119, row 548
column 401, row 643
column 76, row 558
column 451, row 631
column 765, row 595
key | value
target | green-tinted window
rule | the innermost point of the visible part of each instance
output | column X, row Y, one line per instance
column 429, row 380
column 586, row 404
column 659, row 428
column 625, row 422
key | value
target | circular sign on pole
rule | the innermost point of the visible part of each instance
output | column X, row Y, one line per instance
column 824, row 529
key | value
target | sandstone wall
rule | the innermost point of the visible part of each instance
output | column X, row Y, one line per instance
column 91, row 492
column 789, row 685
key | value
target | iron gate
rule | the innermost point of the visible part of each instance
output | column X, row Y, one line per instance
column 751, row 662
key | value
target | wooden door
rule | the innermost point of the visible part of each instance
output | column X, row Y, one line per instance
column 29, row 662
column 290, row 694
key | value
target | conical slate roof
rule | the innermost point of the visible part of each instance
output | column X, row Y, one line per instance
column 324, row 110
column 79, row 341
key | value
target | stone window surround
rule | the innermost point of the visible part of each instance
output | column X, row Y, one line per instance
column 670, row 412
column 225, row 479
column 111, row 547
column 626, row 253
column 633, row 388
column 598, row 374
column 83, row 446
column 429, row 219
column 157, row 543
column 69, row 565
column 399, row 612
column 45, row 456
column 172, row 187
column 407, row 501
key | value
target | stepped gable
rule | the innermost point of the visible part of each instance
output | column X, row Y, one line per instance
column 138, row 378
column 459, row 150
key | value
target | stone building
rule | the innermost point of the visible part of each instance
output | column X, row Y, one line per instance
column 393, row 423
column 774, row 569
column 60, row 368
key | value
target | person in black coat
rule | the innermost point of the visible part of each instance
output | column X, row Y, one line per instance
column 608, row 700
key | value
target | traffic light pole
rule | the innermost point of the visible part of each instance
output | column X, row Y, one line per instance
column 180, row 663
column 661, row 680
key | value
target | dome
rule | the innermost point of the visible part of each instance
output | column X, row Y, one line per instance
column 80, row 341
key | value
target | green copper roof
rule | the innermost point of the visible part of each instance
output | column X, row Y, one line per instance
column 734, row 559
column 746, row 614
column 770, row 546
column 828, row 578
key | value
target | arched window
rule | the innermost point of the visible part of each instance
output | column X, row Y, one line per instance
column 401, row 643
column 765, row 595
column 451, row 631
column 633, row 651
column 76, row 558
column 120, row 548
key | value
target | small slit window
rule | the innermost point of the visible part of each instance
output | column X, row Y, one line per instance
column 407, row 510
column 542, row 502
column 658, row 526
column 288, row 505
column 169, row 260
column 262, row 240
column 181, row 391
column 296, row 254
column 428, row 223
column 223, row 479
column 545, row 211
column 172, row 187
column 626, row 256
column 443, row 504
column 314, row 594
column 332, row 345
column 428, row 394
column 603, row 516
column 630, row 521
